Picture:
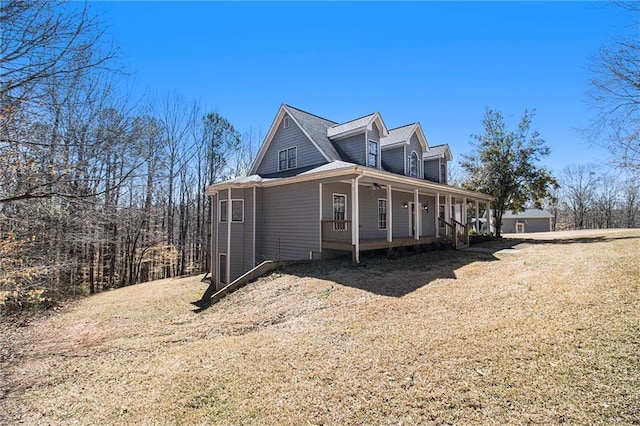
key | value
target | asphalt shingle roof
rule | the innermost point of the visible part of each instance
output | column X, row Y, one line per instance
column 400, row 134
column 437, row 151
column 316, row 127
column 350, row 125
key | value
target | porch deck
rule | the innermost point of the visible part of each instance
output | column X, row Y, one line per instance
column 336, row 235
column 379, row 243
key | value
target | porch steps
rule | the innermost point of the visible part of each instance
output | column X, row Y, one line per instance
column 212, row 295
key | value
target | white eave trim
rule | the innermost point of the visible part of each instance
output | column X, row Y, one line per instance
column 368, row 126
column 348, row 172
column 271, row 134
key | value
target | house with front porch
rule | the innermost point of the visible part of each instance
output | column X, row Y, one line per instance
column 318, row 188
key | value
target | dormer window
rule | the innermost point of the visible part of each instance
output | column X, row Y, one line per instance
column 285, row 122
column 373, row 154
column 413, row 164
column 288, row 159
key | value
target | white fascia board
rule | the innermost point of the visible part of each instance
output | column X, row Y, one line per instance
column 383, row 128
column 348, row 133
column 421, row 137
column 267, row 140
column 394, row 145
column 358, row 170
column 272, row 132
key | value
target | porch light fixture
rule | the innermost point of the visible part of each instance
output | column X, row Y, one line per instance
column 426, row 207
column 405, row 205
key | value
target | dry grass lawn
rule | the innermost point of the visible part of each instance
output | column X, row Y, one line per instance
column 547, row 333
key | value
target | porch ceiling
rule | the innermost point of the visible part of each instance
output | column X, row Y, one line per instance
column 426, row 188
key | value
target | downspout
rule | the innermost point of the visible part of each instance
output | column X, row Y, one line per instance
column 253, row 260
column 355, row 217
column 229, row 210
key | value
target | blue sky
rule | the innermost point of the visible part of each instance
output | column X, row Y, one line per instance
column 441, row 64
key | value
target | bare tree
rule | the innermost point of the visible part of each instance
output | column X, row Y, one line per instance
column 578, row 187
column 606, row 202
column 631, row 203
column 616, row 95
column 47, row 49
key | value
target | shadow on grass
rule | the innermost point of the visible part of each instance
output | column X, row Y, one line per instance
column 573, row 240
column 408, row 269
column 402, row 273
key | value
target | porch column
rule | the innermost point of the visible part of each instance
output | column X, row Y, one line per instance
column 464, row 218
column 437, row 208
column 477, row 217
column 389, row 215
column 488, row 214
column 416, row 214
column 447, row 208
column 320, row 214
column 355, row 222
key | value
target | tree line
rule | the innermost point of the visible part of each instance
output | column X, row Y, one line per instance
column 94, row 193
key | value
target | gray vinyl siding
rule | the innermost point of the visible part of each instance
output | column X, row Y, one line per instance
column 394, row 159
column 307, row 153
column 289, row 222
column 428, row 217
column 214, row 237
column 222, row 226
column 531, row 225
column 369, row 213
column 242, row 235
column 328, row 189
column 260, row 215
column 354, row 147
column 401, row 215
column 414, row 145
column 432, row 170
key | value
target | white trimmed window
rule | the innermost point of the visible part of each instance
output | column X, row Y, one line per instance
column 373, row 154
column 382, row 213
column 288, row 158
column 339, row 211
column 413, row 164
column 237, row 210
column 223, row 210
column 285, row 122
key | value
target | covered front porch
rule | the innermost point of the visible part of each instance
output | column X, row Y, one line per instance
column 371, row 213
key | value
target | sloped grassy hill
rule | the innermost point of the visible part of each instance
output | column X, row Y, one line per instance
column 548, row 332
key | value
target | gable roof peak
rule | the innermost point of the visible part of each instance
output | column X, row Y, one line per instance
column 357, row 125
column 308, row 113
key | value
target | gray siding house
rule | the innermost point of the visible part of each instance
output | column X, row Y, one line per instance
column 318, row 188
column 530, row 220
